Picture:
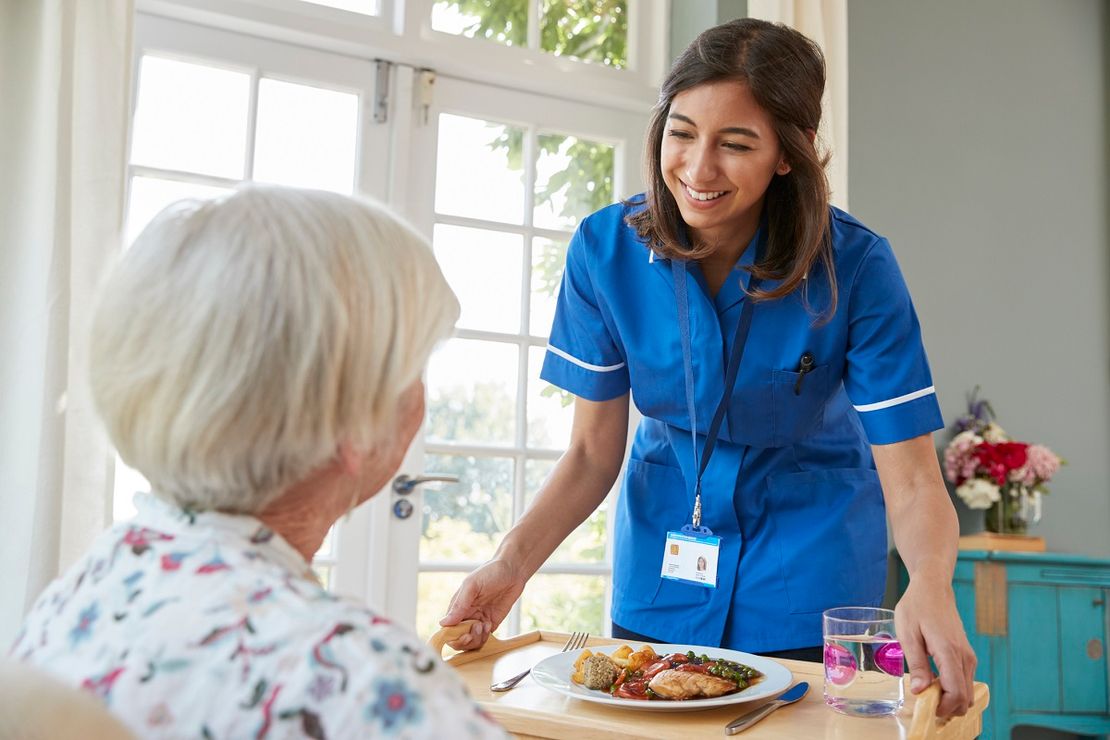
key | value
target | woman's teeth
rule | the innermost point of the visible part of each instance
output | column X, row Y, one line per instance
column 703, row 196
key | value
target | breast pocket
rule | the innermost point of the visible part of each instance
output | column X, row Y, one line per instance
column 830, row 529
column 656, row 500
column 799, row 403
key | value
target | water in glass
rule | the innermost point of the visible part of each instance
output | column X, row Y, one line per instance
column 864, row 663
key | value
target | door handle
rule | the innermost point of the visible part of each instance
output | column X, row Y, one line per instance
column 403, row 484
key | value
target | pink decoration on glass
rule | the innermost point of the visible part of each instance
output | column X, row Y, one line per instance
column 840, row 665
column 890, row 660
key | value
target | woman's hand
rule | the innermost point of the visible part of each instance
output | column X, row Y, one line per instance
column 926, row 533
column 486, row 595
column 928, row 625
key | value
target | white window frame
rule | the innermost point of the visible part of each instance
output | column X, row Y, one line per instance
column 403, row 34
column 217, row 31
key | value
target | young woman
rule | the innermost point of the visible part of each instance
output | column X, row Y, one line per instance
column 733, row 300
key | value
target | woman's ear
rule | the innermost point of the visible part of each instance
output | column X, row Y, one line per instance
column 783, row 168
column 350, row 460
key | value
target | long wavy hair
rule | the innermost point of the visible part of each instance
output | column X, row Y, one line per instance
column 785, row 72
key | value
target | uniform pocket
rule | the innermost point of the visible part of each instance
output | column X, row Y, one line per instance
column 654, row 500
column 830, row 528
column 798, row 406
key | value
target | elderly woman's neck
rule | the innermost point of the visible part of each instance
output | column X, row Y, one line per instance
column 304, row 514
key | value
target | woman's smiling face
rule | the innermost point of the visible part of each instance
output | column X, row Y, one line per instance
column 718, row 156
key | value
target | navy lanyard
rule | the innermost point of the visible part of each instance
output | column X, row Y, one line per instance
column 743, row 326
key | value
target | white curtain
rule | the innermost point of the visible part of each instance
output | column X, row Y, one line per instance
column 826, row 22
column 64, row 92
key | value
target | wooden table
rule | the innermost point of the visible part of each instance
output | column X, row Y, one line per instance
column 531, row 711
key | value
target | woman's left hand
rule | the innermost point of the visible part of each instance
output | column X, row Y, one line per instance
column 928, row 624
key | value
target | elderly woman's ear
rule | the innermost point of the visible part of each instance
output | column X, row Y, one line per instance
column 386, row 456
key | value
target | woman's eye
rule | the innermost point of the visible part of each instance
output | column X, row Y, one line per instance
column 737, row 147
column 680, row 134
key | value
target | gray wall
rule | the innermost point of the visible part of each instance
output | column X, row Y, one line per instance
column 691, row 17
column 978, row 145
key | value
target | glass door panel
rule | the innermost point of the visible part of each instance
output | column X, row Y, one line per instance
column 512, row 175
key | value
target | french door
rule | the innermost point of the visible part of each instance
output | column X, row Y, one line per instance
column 497, row 178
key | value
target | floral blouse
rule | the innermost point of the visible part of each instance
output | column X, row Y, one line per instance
column 210, row 625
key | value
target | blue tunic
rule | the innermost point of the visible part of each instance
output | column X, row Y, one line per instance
column 791, row 488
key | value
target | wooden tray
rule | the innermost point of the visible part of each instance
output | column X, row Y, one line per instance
column 531, row 711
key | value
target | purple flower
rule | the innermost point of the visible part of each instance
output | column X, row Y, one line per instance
column 395, row 706
column 322, row 687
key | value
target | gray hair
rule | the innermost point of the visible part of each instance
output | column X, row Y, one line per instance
column 241, row 339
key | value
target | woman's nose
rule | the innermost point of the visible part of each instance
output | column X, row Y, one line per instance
column 701, row 166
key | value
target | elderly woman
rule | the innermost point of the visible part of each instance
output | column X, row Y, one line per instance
column 258, row 359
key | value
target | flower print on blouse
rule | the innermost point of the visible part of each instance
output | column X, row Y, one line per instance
column 210, row 625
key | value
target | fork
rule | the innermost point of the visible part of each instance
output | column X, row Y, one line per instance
column 575, row 642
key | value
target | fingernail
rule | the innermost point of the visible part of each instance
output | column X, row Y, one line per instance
column 917, row 684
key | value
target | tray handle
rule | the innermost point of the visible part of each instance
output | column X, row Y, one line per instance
column 455, row 631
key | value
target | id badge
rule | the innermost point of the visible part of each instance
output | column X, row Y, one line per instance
column 691, row 558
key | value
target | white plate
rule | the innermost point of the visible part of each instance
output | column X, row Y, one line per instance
column 553, row 672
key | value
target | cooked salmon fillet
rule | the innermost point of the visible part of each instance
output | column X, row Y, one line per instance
column 673, row 684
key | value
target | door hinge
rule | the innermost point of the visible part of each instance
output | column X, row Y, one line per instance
column 381, row 91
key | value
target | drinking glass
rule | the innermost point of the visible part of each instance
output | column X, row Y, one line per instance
column 863, row 661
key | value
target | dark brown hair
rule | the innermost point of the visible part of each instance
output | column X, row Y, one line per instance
column 785, row 72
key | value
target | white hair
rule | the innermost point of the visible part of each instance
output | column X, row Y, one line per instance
column 241, row 339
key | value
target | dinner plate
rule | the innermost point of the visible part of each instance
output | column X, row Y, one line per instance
column 553, row 673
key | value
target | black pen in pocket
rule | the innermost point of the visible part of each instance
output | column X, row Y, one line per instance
column 804, row 366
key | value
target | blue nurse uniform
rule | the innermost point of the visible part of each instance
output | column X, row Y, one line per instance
column 791, row 487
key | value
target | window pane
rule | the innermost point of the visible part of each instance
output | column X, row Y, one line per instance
column 589, row 30
column 465, row 521
column 479, row 170
column 586, row 544
column 327, row 547
column 191, row 117
column 150, row 195
column 433, row 596
column 472, row 393
column 503, row 21
column 574, row 178
column 550, row 409
column 548, row 260
column 306, row 136
column 128, row 482
column 564, row 602
column 366, row 7
column 475, row 260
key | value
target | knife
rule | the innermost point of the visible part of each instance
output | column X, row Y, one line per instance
column 745, row 721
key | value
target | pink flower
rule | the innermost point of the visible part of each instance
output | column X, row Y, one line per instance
column 959, row 462
column 1042, row 462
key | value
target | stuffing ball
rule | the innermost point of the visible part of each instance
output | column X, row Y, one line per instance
column 598, row 672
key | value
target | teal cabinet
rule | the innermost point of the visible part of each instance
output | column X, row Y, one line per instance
column 1039, row 625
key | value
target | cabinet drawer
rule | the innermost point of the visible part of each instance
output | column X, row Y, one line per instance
column 1063, row 575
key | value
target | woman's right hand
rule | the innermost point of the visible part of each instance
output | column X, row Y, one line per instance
column 486, row 595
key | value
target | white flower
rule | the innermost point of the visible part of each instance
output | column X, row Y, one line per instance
column 995, row 434
column 978, row 493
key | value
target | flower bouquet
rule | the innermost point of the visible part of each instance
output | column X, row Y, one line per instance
column 995, row 473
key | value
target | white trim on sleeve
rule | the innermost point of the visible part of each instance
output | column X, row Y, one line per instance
column 895, row 401
column 579, row 363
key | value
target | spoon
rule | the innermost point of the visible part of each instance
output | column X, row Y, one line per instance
column 745, row 721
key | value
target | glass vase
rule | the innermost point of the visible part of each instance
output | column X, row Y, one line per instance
column 1015, row 510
